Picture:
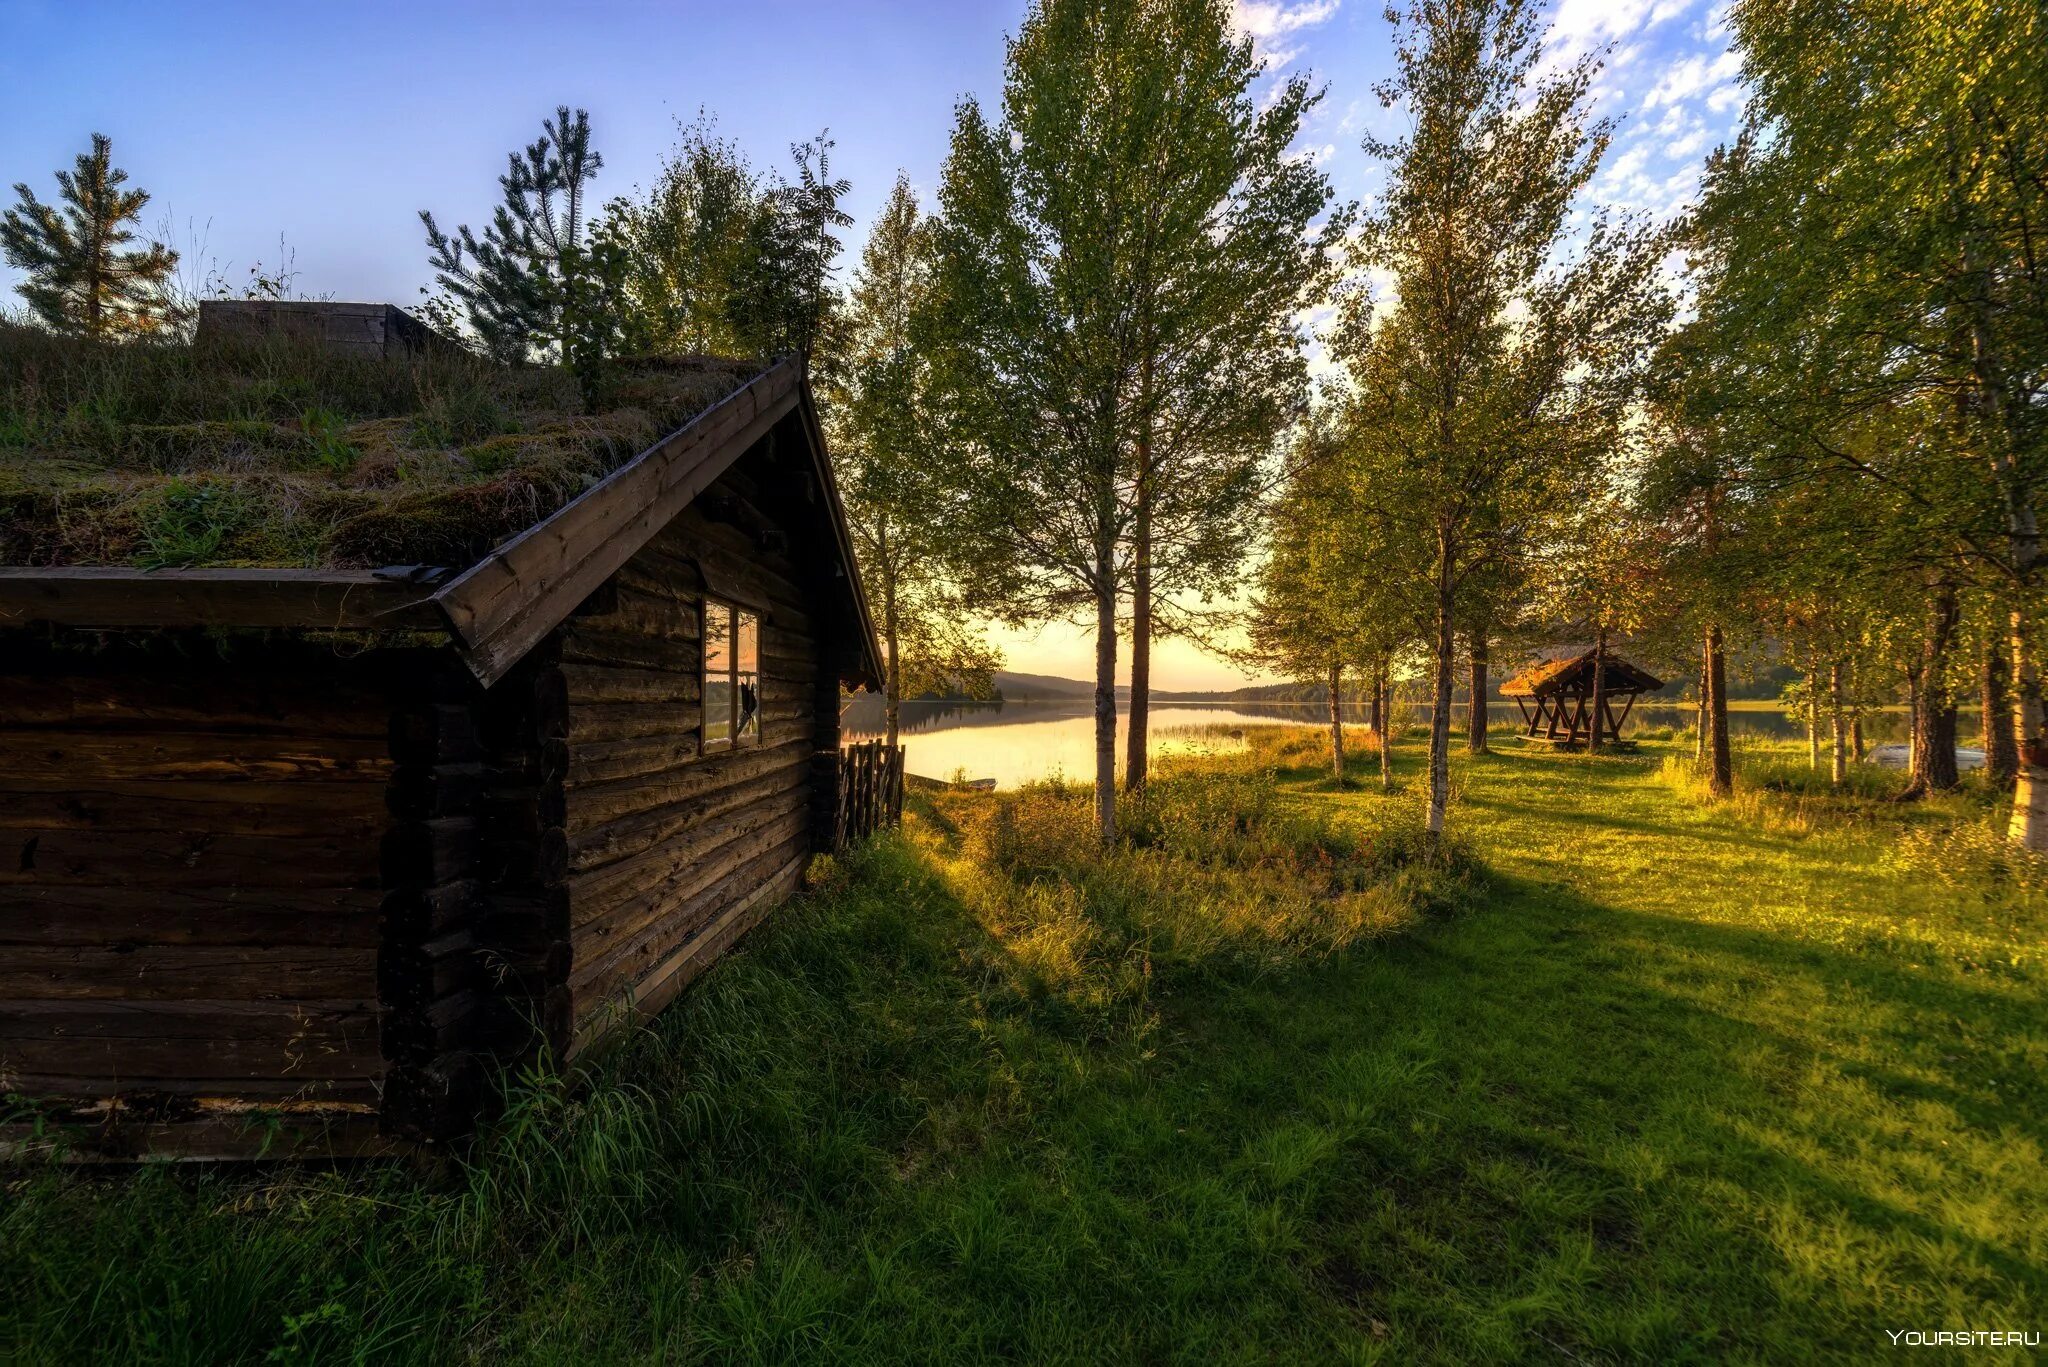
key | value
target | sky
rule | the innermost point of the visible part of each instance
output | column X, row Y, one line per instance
column 328, row 127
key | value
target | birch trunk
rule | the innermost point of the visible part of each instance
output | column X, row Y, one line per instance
column 1440, row 708
column 1337, row 722
column 1476, row 717
column 1105, row 687
column 1839, row 774
column 1599, row 691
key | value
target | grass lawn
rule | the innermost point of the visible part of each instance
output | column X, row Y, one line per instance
column 1635, row 1079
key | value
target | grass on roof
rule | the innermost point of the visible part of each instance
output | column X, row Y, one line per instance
column 282, row 454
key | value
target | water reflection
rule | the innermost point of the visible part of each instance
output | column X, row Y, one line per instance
column 1016, row 742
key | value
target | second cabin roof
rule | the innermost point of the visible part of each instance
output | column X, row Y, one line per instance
column 1572, row 669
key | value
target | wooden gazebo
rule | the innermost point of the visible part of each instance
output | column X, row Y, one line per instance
column 1556, row 698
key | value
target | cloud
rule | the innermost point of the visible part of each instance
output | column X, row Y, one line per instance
column 1578, row 27
column 1689, row 78
column 1271, row 23
column 1678, row 149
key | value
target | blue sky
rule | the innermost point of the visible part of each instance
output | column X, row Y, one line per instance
column 332, row 125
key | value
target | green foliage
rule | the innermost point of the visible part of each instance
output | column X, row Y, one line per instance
column 327, row 435
column 1118, row 259
column 82, row 275
column 716, row 258
column 1486, row 388
column 1872, row 337
column 888, row 459
column 187, row 521
column 520, row 284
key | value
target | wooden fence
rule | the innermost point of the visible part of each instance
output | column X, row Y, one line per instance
column 870, row 790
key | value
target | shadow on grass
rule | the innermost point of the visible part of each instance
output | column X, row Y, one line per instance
column 1546, row 1128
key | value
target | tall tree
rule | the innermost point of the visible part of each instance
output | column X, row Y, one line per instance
column 1224, row 259
column 886, row 457
column 1334, row 592
column 687, row 242
column 516, row 281
column 1880, row 279
column 1037, row 348
column 1485, row 391
column 83, row 276
column 782, row 299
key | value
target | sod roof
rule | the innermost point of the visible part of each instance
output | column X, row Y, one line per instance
column 279, row 453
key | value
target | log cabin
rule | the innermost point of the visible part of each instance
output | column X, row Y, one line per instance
column 295, row 860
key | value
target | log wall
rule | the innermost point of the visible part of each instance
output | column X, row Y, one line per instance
column 190, row 883
column 672, row 854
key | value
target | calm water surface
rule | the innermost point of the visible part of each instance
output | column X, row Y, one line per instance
column 1017, row 742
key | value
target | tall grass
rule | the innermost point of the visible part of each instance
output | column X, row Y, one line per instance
column 1670, row 1086
column 280, row 452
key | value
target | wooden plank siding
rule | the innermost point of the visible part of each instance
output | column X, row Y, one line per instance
column 672, row 854
column 190, row 877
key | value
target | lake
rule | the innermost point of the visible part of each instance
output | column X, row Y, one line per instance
column 1016, row 742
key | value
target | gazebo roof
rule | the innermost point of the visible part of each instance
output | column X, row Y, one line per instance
column 1569, row 671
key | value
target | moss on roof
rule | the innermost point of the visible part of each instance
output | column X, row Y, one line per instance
column 279, row 454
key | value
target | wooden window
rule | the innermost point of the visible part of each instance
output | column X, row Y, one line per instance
column 732, row 677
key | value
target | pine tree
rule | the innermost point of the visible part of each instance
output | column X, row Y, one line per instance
column 82, row 275
column 517, row 281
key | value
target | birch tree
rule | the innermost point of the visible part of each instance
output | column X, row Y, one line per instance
column 1486, row 390
column 882, row 444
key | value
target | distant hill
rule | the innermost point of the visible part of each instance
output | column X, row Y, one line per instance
column 1017, row 687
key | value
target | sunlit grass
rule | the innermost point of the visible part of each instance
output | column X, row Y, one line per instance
column 1667, row 1081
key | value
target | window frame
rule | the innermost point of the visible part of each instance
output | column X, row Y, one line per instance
column 741, row 677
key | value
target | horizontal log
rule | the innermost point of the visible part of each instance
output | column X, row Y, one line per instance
column 159, row 858
column 590, row 644
column 592, row 684
column 175, row 1098
column 611, row 761
column 595, row 804
column 90, row 757
column 88, row 915
column 270, row 809
column 729, row 563
column 595, row 846
column 595, row 723
column 137, row 1042
column 125, row 971
column 333, row 1129
column 794, row 730
column 220, row 699
column 616, row 902
column 93, row 596
column 606, row 963
column 688, row 960
column 651, row 605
